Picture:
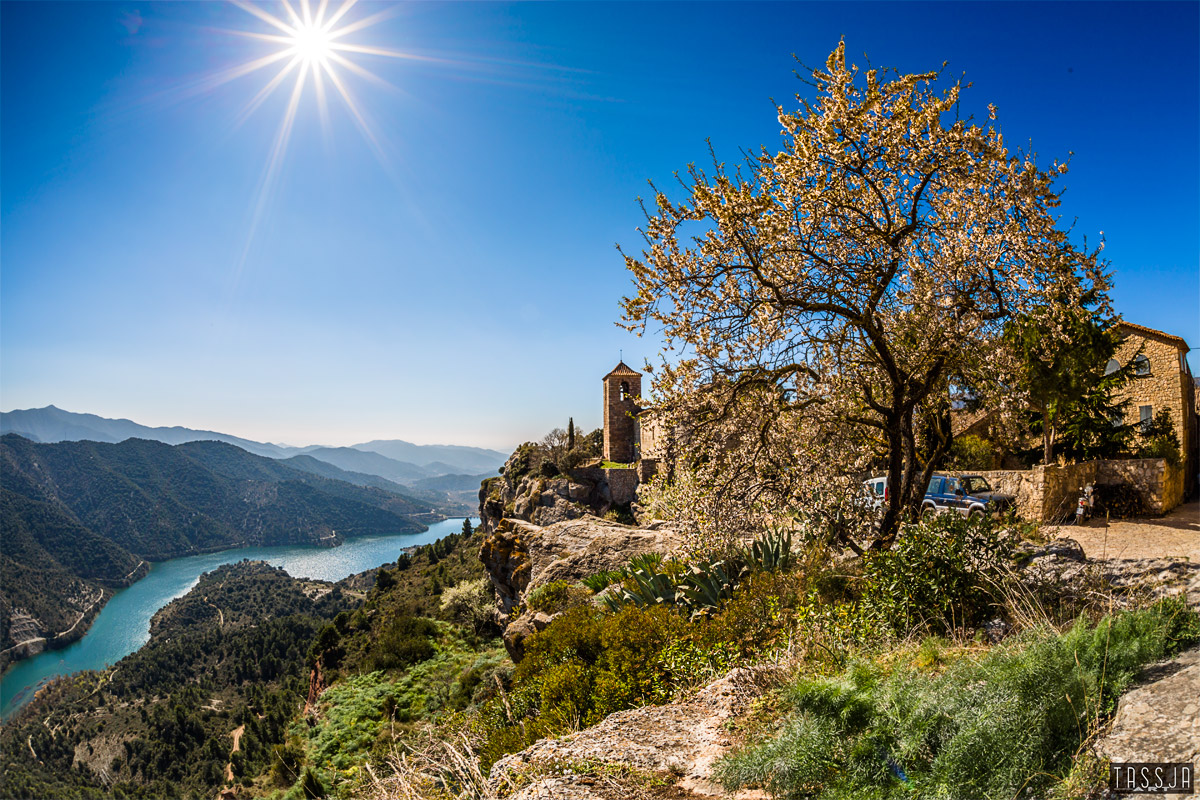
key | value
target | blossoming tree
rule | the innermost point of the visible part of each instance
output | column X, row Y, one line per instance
column 822, row 301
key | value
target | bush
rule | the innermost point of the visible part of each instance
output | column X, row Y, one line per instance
column 581, row 668
column 971, row 452
column 556, row 596
column 999, row 726
column 404, row 642
column 940, row 575
column 1159, row 439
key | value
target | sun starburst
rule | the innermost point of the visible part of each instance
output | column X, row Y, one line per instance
column 312, row 48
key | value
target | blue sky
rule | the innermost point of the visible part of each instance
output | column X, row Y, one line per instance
column 459, row 283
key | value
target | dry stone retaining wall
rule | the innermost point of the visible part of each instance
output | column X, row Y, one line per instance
column 623, row 483
column 1049, row 494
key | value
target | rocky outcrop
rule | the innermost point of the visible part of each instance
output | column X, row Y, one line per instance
column 1159, row 720
column 532, row 489
column 520, row 556
column 675, row 744
column 1062, row 562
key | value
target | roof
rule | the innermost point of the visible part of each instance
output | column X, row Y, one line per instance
column 1144, row 331
column 622, row 370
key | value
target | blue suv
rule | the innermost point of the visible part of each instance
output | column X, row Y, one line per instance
column 969, row 495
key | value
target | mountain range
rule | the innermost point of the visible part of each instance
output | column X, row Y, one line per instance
column 392, row 459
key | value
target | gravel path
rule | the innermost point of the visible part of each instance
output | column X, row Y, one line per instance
column 1175, row 535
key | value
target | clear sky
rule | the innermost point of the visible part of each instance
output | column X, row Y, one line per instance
column 455, row 281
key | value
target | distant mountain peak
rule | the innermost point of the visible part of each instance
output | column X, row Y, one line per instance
column 392, row 459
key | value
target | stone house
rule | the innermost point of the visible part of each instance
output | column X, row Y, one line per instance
column 1161, row 380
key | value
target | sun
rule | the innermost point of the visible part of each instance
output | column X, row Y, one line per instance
column 312, row 43
column 311, row 47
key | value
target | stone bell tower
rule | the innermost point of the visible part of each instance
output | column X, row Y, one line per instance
column 622, row 388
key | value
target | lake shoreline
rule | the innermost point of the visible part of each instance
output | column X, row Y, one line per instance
column 308, row 556
column 12, row 656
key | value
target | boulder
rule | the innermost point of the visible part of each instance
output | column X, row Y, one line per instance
column 1160, row 719
column 677, row 742
column 522, row 627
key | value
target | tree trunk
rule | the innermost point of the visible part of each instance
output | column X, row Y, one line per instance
column 1047, row 437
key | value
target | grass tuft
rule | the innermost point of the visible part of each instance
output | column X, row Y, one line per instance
column 996, row 726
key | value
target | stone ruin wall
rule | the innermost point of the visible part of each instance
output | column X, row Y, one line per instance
column 622, row 483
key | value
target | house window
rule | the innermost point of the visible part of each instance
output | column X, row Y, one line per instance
column 1141, row 365
column 1145, row 416
column 1112, row 366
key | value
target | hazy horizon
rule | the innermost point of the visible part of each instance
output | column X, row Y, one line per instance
column 503, row 448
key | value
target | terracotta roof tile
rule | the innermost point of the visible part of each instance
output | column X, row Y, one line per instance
column 1142, row 329
column 622, row 369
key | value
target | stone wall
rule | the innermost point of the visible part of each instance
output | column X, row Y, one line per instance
column 1049, row 494
column 1023, row 484
column 1161, row 485
column 1061, row 487
column 622, row 483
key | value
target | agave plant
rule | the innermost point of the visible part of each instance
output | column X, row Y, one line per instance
column 772, row 550
column 604, row 578
column 650, row 562
column 650, row 587
column 706, row 584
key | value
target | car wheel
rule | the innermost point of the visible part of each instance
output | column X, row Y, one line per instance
column 976, row 513
column 927, row 512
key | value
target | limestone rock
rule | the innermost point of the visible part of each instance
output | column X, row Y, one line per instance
column 522, row 627
column 1159, row 720
column 520, row 556
column 678, row 742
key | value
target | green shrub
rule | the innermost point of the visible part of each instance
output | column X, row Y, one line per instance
column 1159, row 439
column 998, row 726
column 405, row 641
column 971, row 453
column 555, row 596
column 940, row 575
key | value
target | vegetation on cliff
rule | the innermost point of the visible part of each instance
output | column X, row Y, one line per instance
column 238, row 660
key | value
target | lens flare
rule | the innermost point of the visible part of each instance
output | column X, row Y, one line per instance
column 312, row 43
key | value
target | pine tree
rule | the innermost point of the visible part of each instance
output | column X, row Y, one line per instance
column 570, row 434
column 467, row 530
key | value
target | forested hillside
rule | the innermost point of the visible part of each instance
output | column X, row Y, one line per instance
column 239, row 658
column 228, row 656
column 79, row 517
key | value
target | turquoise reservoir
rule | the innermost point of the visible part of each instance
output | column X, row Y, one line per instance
column 123, row 625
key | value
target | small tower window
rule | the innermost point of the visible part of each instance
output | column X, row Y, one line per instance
column 624, row 390
column 1141, row 365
